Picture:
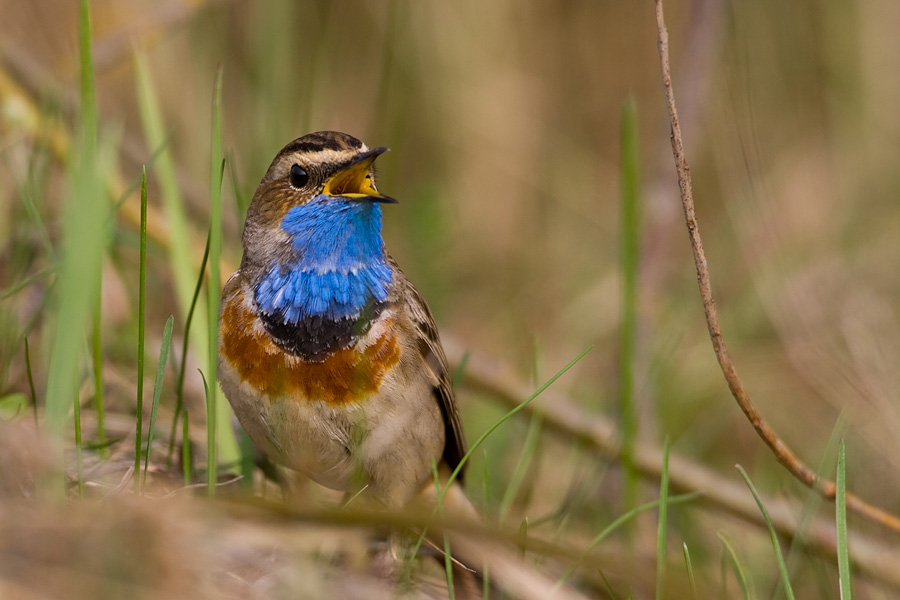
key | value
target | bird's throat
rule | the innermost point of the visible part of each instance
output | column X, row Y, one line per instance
column 336, row 282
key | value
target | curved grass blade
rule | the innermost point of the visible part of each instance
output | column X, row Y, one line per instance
column 82, row 248
column 76, row 405
column 142, row 292
column 737, row 565
column 663, row 523
column 179, row 386
column 507, row 417
column 186, row 458
column 529, row 448
column 782, row 567
column 690, row 571
column 157, row 389
column 31, row 383
column 98, row 370
column 621, row 520
column 630, row 244
column 843, row 545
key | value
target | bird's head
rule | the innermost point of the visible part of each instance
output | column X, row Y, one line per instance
column 316, row 211
column 315, row 184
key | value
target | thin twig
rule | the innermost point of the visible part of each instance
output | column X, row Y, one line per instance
column 785, row 456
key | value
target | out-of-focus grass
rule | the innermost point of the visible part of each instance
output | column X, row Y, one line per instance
column 503, row 122
column 776, row 547
column 216, row 173
column 840, row 514
column 142, row 303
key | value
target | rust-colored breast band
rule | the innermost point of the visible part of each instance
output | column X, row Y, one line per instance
column 348, row 375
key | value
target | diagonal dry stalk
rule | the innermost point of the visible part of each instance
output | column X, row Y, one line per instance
column 785, row 456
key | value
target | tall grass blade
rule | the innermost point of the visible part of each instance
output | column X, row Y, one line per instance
column 773, row 535
column 98, row 370
column 82, row 248
column 215, row 249
column 210, row 480
column 740, row 570
column 448, row 557
column 179, row 386
column 181, row 259
column 186, row 457
column 13, row 290
column 622, row 520
column 663, row 523
column 529, row 448
column 30, row 376
column 460, row 371
column 142, row 294
column 441, row 490
column 690, row 571
column 609, row 588
column 843, row 543
column 79, row 465
column 797, row 549
column 508, row 416
column 523, row 537
column 157, row 389
column 248, row 460
column 629, row 264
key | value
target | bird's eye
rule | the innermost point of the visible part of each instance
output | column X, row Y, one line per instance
column 299, row 177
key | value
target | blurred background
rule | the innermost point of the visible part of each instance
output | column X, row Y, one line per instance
column 503, row 120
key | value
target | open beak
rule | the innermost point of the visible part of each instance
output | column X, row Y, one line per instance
column 353, row 181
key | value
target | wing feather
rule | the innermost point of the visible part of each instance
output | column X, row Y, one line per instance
column 429, row 344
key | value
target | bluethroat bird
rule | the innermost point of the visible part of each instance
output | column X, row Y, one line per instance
column 327, row 353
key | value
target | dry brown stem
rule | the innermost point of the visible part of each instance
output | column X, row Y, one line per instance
column 785, row 456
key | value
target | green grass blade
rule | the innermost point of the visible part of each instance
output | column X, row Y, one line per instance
column 142, row 293
column 79, row 466
column 181, row 260
column 629, row 265
column 609, row 588
column 740, row 570
column 157, row 389
column 179, row 386
column 210, row 481
column 663, row 523
column 523, row 537
column 215, row 250
column 622, row 520
column 508, row 416
column 448, row 557
column 690, row 571
column 460, row 369
column 82, row 247
column 529, row 448
column 797, row 550
column 843, row 544
column 88, row 98
column 11, row 291
column 248, row 460
column 241, row 200
column 782, row 567
column 98, row 370
column 28, row 372
column 186, row 458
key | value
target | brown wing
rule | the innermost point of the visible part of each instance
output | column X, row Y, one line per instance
column 433, row 354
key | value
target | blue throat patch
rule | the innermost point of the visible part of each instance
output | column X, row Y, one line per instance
column 340, row 265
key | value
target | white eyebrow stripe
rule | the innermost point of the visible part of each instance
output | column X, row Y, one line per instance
column 332, row 156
